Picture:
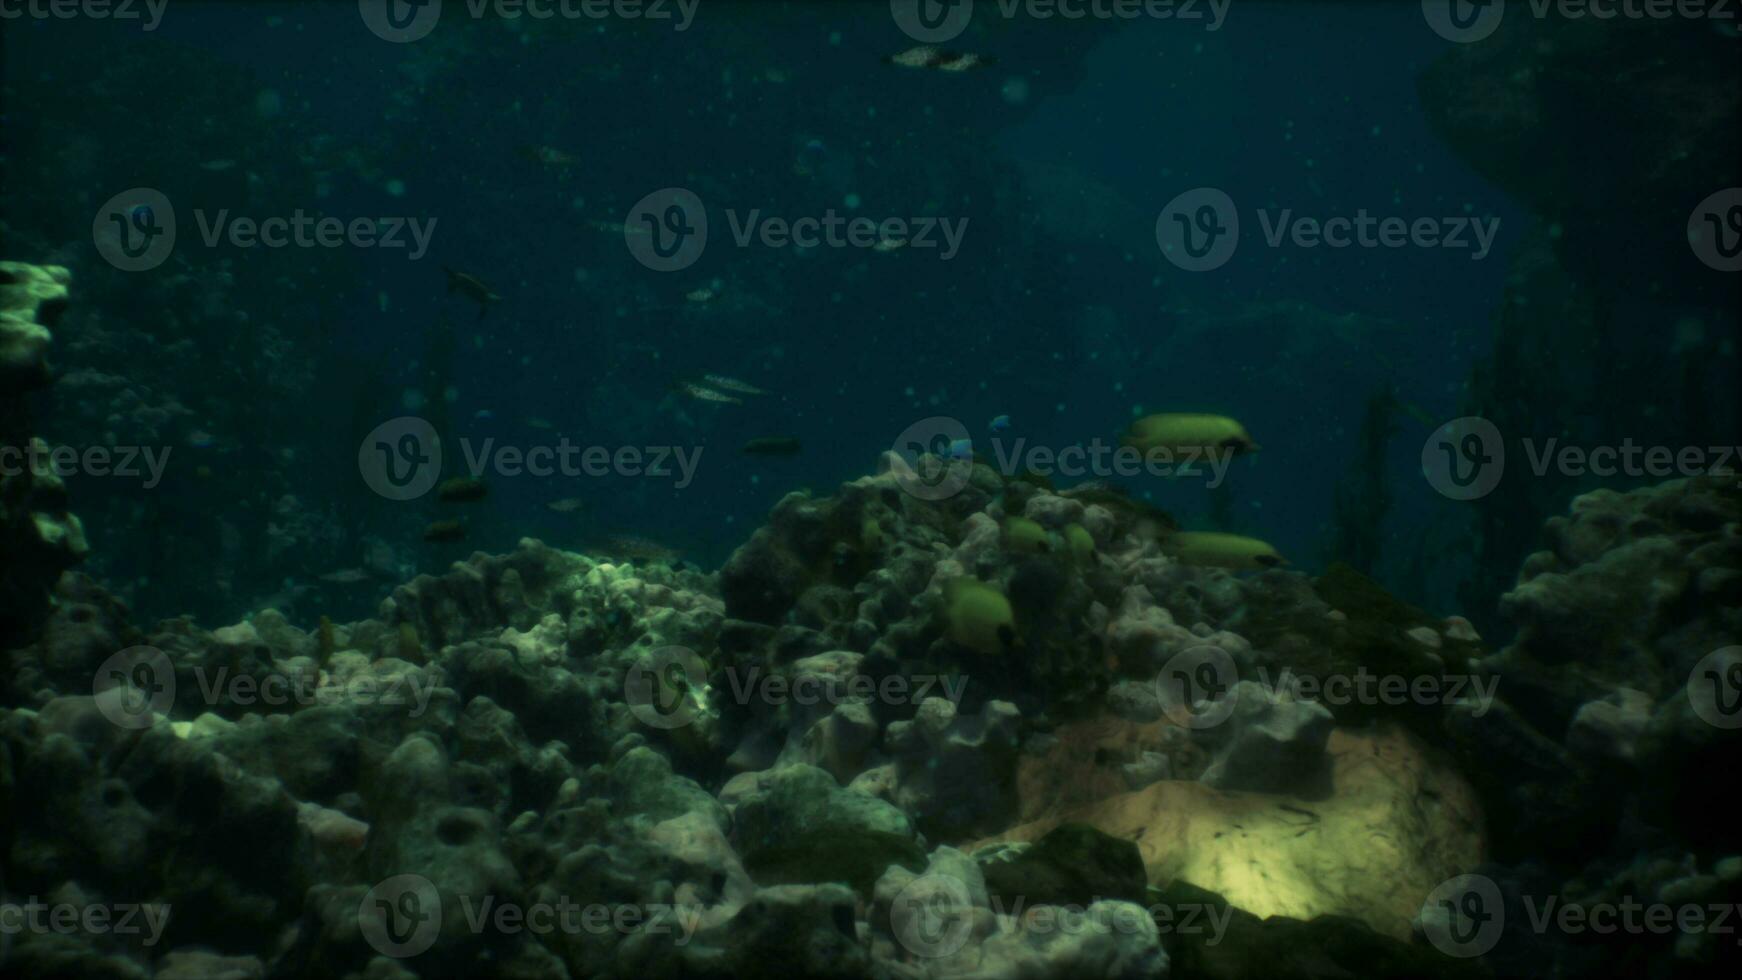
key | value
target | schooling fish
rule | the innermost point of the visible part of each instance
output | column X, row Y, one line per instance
column 462, row 490
column 724, row 383
column 567, row 505
column 999, row 423
column 937, row 59
column 445, row 531
column 772, row 446
column 472, row 288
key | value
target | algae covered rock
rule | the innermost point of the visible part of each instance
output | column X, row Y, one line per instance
column 1270, row 743
column 1072, row 864
column 1208, row 937
column 800, row 826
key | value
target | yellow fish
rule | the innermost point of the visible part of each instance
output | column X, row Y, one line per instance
column 1181, row 432
column 1215, row 549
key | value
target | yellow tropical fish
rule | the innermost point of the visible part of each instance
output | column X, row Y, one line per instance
column 1188, row 431
column 1216, row 549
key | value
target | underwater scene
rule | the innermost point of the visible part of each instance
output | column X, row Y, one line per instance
column 884, row 489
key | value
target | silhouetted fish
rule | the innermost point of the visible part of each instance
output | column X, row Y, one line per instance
column 472, row 288
column 462, row 490
column 772, row 446
column 445, row 531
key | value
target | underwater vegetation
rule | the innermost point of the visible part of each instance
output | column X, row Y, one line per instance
column 770, row 694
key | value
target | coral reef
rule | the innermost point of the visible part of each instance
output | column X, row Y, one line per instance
column 803, row 761
column 1597, row 760
column 798, row 761
column 39, row 538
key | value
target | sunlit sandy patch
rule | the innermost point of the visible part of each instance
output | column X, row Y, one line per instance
column 1397, row 824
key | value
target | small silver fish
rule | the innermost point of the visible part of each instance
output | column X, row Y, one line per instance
column 704, row 394
column 346, row 576
column 937, row 59
column 567, row 505
column 724, row 383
